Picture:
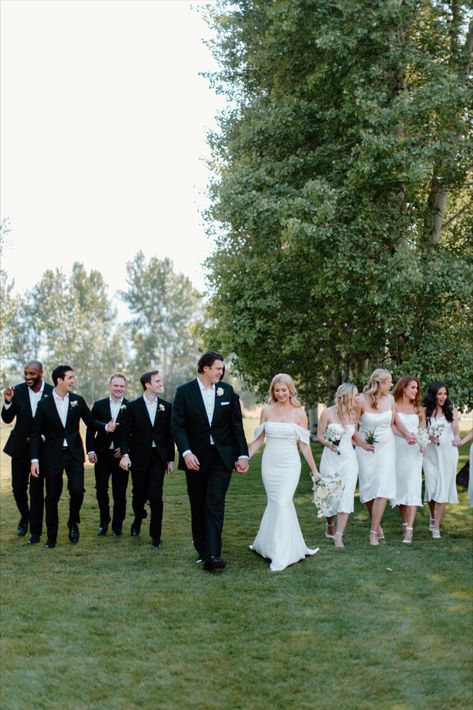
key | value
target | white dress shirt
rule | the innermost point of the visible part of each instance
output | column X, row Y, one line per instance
column 35, row 397
column 152, row 408
column 62, row 405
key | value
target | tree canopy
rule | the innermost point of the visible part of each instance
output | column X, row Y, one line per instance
column 341, row 201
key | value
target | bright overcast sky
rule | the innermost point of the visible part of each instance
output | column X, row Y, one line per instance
column 104, row 118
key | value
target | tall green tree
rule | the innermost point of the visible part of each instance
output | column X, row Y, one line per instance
column 70, row 320
column 166, row 313
column 341, row 203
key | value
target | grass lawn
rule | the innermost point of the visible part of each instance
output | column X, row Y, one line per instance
column 115, row 623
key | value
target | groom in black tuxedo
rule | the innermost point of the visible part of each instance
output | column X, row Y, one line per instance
column 56, row 422
column 21, row 402
column 208, row 430
column 147, row 446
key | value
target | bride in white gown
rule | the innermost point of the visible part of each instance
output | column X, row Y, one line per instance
column 283, row 423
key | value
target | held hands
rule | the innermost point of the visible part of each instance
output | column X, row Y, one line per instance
column 8, row 394
column 241, row 465
column 170, row 468
column 457, row 441
column 92, row 456
column 411, row 438
column 316, row 476
column 34, row 470
column 125, row 462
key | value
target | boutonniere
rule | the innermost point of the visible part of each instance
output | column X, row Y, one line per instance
column 122, row 408
column 162, row 408
column 74, row 403
column 219, row 391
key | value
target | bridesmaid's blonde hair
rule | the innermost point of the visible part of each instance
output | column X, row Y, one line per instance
column 379, row 376
column 345, row 405
column 289, row 382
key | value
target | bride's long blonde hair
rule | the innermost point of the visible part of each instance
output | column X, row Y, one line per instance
column 289, row 382
column 345, row 405
column 377, row 378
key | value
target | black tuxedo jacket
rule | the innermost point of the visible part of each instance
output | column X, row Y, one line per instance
column 18, row 442
column 100, row 440
column 138, row 433
column 192, row 431
column 47, row 423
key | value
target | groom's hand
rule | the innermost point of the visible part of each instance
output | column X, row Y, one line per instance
column 242, row 465
column 192, row 462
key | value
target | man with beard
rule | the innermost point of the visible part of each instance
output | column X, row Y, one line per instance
column 21, row 402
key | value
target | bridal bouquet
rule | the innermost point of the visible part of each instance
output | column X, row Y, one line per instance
column 370, row 437
column 326, row 492
column 333, row 435
column 435, row 430
column 422, row 437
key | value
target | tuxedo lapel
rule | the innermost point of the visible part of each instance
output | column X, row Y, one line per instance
column 200, row 401
column 70, row 408
column 144, row 413
column 51, row 404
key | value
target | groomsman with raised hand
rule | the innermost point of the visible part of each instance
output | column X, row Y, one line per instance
column 103, row 450
column 208, row 430
column 56, row 422
column 21, row 402
column 147, row 446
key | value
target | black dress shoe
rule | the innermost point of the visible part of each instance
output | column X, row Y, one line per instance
column 214, row 562
column 34, row 539
column 135, row 530
column 22, row 528
column 74, row 534
column 103, row 530
column 50, row 544
column 116, row 533
column 156, row 542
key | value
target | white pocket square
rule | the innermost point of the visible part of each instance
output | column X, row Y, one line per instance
column 224, row 404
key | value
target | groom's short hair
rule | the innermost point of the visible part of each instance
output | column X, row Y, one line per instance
column 208, row 359
column 145, row 379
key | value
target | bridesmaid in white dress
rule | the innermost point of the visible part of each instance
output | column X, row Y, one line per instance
column 341, row 460
column 409, row 457
column 283, row 422
column 441, row 458
column 377, row 465
column 467, row 438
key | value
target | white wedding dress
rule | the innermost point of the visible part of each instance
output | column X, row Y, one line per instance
column 377, row 470
column 344, row 466
column 440, row 466
column 408, row 466
column 279, row 537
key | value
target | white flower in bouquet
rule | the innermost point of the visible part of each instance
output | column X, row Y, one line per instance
column 326, row 492
column 422, row 436
column 435, row 430
column 333, row 435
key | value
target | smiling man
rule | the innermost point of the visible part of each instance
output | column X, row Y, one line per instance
column 21, row 402
column 103, row 450
column 208, row 430
column 56, row 423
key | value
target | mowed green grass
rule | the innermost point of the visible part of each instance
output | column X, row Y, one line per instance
column 115, row 623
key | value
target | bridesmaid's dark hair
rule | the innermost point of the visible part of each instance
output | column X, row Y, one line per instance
column 430, row 401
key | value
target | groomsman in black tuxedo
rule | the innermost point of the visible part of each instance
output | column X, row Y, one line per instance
column 56, row 422
column 103, row 451
column 208, row 430
column 148, row 447
column 21, row 402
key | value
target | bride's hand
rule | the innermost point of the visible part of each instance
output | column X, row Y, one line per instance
column 316, row 476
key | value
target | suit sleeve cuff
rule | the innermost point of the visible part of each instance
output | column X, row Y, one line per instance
column 187, row 451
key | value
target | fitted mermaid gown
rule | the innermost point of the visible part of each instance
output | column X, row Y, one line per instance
column 377, row 470
column 343, row 466
column 279, row 537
